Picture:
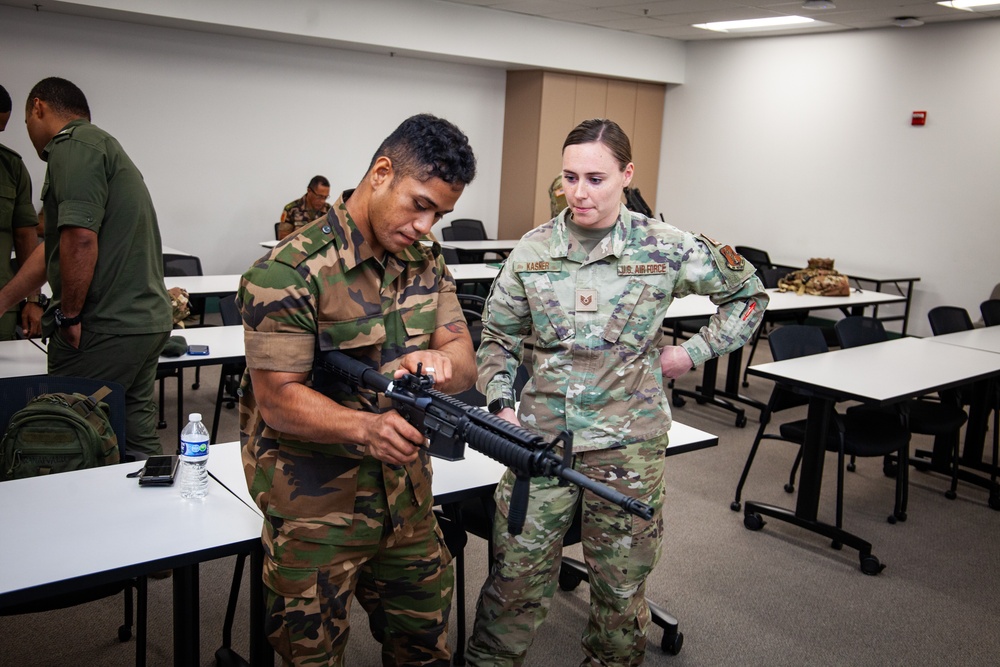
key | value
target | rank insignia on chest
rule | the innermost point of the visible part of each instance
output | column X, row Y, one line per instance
column 586, row 300
column 734, row 260
column 641, row 269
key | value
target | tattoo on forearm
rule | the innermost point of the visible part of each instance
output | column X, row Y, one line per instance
column 456, row 327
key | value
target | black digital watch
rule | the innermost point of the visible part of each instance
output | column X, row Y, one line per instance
column 62, row 321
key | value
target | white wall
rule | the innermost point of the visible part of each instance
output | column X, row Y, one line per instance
column 802, row 146
column 227, row 130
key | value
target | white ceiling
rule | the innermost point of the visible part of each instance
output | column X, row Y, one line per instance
column 674, row 18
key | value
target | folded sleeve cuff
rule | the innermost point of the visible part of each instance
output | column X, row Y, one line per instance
column 285, row 352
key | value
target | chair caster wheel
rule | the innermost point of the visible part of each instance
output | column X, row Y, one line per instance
column 950, row 495
column 851, row 467
column 672, row 642
column 789, row 488
column 678, row 401
column 753, row 521
column 891, row 519
column 736, row 506
column 124, row 633
column 870, row 565
column 900, row 516
column 836, row 545
column 741, row 421
column 161, row 425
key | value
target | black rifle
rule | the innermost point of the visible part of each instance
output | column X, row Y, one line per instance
column 448, row 424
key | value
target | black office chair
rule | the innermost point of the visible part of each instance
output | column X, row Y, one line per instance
column 465, row 229
column 232, row 373
column 14, row 395
column 759, row 258
column 277, row 237
column 474, row 227
column 949, row 319
column 863, row 434
column 942, row 418
column 991, row 312
column 180, row 265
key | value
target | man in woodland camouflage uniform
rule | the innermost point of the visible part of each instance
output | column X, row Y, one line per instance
column 346, row 491
column 591, row 288
column 305, row 209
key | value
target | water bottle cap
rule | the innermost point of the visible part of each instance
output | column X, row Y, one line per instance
column 194, row 417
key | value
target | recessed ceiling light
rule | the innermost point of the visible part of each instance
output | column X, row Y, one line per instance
column 818, row 4
column 906, row 22
column 751, row 25
column 972, row 5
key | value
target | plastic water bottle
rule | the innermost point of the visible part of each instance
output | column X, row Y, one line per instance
column 194, row 458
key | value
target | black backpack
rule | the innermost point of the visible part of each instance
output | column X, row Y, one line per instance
column 59, row 432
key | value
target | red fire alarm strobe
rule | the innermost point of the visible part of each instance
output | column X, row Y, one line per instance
column 919, row 118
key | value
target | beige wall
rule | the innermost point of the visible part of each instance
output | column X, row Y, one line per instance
column 541, row 109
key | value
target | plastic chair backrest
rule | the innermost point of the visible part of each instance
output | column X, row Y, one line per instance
column 462, row 234
column 759, row 258
column 474, row 227
column 859, row 330
column 228, row 311
column 991, row 312
column 181, row 265
column 15, row 393
column 796, row 340
column 276, row 237
column 949, row 319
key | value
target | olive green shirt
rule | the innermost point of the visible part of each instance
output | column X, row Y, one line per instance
column 92, row 183
column 16, row 210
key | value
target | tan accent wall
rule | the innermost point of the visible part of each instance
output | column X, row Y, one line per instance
column 541, row 108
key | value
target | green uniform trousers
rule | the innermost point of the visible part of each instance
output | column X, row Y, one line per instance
column 128, row 360
column 620, row 551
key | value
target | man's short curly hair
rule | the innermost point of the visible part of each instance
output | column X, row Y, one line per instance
column 425, row 146
column 62, row 96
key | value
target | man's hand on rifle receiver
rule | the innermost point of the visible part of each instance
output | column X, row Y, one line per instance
column 434, row 363
column 390, row 438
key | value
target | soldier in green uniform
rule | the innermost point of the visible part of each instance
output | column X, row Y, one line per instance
column 17, row 230
column 344, row 482
column 591, row 287
column 109, row 315
column 313, row 204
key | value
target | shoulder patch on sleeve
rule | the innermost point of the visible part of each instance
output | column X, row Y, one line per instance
column 734, row 269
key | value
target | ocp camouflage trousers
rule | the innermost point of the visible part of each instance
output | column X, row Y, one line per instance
column 620, row 551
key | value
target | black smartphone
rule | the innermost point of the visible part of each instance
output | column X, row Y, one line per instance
column 197, row 349
column 159, row 471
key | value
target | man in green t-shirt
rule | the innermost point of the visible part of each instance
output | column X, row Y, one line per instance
column 110, row 314
column 17, row 230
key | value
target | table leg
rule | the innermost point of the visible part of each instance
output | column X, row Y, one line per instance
column 187, row 645
column 261, row 652
column 810, row 483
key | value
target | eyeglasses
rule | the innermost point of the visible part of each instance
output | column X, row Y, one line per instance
column 316, row 194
